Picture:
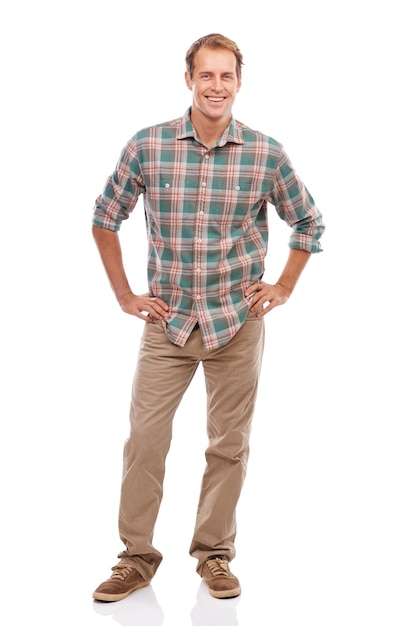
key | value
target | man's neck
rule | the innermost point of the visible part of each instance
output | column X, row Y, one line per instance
column 208, row 131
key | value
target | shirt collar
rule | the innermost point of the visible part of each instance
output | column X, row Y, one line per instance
column 231, row 134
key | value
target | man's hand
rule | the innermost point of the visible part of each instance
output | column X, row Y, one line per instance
column 266, row 297
column 145, row 307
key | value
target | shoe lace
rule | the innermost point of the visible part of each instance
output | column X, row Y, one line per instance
column 120, row 572
column 218, row 566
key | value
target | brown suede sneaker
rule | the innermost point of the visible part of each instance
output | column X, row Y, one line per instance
column 124, row 580
column 221, row 583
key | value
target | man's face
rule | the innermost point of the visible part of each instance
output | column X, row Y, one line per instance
column 214, row 83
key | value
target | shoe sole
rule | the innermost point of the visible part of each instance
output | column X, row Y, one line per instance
column 114, row 597
column 230, row 593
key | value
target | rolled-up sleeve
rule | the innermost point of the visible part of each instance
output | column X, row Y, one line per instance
column 296, row 207
column 121, row 191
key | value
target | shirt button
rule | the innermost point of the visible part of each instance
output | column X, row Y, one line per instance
column 204, row 184
column 201, row 212
column 198, row 269
column 167, row 185
column 206, row 156
column 197, row 297
column 237, row 188
column 199, row 241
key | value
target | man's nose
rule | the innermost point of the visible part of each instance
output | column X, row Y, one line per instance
column 217, row 83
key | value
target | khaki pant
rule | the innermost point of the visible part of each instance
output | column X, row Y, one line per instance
column 163, row 373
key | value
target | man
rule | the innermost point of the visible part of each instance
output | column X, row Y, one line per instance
column 206, row 181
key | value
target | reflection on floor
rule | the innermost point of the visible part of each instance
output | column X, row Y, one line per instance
column 142, row 607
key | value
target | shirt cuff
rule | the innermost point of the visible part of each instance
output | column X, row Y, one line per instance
column 305, row 242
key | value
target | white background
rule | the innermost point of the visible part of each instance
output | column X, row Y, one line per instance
column 328, row 516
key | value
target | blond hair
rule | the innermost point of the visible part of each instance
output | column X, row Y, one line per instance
column 214, row 40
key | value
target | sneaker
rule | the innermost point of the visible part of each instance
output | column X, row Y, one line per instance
column 124, row 580
column 217, row 576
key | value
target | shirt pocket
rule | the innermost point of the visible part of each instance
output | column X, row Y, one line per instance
column 232, row 201
column 171, row 196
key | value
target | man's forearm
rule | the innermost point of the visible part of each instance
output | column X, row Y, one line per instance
column 108, row 244
column 294, row 267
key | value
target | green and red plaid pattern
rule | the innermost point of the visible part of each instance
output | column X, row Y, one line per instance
column 206, row 217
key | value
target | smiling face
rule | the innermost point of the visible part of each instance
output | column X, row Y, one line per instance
column 214, row 85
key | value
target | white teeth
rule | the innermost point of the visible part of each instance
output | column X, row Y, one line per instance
column 215, row 99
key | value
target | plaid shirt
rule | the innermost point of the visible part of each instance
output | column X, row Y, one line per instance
column 206, row 217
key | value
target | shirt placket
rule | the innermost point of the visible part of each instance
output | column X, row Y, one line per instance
column 199, row 255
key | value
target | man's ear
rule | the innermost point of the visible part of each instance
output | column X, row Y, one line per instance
column 188, row 80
